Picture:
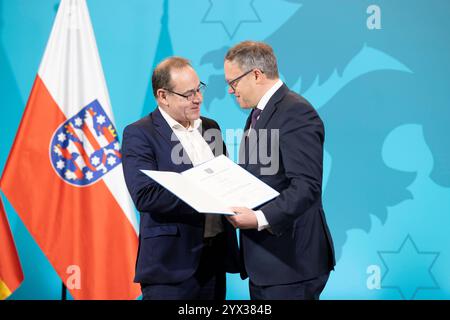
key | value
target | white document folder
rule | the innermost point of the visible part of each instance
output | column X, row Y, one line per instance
column 215, row 186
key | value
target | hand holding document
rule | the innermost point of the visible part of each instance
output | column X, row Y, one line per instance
column 215, row 186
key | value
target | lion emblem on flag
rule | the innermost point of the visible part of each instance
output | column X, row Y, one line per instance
column 85, row 147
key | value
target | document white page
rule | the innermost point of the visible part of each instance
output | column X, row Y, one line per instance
column 215, row 186
column 189, row 192
column 229, row 182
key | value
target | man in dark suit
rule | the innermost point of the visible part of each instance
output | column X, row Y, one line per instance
column 286, row 245
column 183, row 254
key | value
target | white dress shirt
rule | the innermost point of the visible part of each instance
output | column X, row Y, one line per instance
column 198, row 152
column 266, row 97
column 262, row 221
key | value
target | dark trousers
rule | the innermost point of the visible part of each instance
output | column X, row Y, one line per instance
column 303, row 290
column 207, row 283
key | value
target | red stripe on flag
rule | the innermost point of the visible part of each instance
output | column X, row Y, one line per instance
column 10, row 269
column 85, row 157
column 74, row 226
column 90, row 137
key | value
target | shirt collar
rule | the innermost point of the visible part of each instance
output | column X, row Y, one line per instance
column 266, row 97
column 175, row 125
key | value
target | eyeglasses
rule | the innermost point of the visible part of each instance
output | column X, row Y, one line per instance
column 190, row 95
column 233, row 83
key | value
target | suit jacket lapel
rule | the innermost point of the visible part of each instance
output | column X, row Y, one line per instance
column 266, row 115
column 204, row 127
column 271, row 107
column 247, row 123
column 243, row 148
column 163, row 128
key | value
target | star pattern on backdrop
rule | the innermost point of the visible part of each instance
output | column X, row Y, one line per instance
column 408, row 269
column 231, row 19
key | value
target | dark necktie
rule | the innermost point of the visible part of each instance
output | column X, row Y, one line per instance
column 255, row 114
column 243, row 150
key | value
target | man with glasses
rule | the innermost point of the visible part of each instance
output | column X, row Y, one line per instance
column 286, row 245
column 183, row 254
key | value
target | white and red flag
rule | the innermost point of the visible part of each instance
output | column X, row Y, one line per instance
column 64, row 172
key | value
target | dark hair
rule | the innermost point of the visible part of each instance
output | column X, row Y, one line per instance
column 253, row 54
column 161, row 77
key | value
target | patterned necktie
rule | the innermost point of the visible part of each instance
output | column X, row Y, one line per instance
column 255, row 114
column 244, row 147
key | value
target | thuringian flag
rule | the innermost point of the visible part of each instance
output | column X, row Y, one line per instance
column 64, row 174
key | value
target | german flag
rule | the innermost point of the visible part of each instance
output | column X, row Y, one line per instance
column 11, row 275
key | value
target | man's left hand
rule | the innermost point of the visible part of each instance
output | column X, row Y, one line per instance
column 245, row 218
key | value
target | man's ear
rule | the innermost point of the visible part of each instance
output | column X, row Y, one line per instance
column 161, row 96
column 258, row 74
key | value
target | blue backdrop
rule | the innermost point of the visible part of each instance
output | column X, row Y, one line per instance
column 377, row 71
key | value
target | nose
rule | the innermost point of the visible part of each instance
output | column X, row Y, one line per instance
column 230, row 90
column 198, row 97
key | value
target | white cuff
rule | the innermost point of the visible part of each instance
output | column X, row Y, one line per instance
column 262, row 221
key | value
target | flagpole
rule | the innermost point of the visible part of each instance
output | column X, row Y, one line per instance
column 63, row 292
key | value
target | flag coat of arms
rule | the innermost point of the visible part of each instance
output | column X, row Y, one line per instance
column 64, row 174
